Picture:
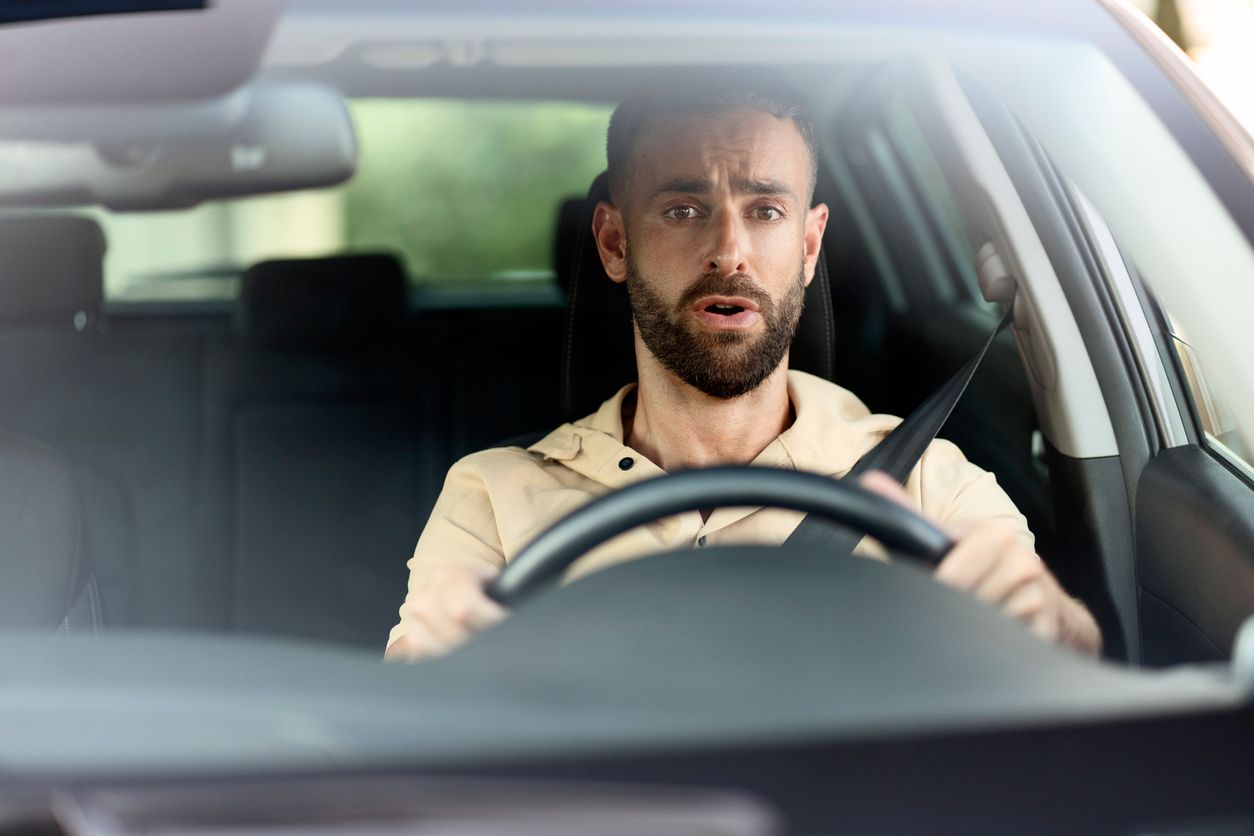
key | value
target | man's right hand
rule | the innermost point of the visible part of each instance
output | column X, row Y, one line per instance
column 444, row 609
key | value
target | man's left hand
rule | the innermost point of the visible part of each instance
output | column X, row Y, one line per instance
column 990, row 561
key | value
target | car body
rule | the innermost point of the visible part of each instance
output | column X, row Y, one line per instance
column 252, row 448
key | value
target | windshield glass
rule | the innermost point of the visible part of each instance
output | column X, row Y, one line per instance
column 432, row 187
column 257, row 390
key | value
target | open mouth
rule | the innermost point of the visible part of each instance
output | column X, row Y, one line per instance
column 726, row 312
column 726, row 305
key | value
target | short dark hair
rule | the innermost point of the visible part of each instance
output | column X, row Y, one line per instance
column 702, row 92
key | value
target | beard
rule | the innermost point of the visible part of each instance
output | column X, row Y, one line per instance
column 722, row 364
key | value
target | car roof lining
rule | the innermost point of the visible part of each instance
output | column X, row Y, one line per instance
column 143, row 56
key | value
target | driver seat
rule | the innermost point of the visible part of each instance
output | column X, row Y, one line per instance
column 598, row 356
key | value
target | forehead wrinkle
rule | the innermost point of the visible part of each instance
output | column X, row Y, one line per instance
column 740, row 185
column 684, row 185
column 698, row 155
column 748, row 185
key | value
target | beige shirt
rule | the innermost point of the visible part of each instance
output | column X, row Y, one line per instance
column 496, row 501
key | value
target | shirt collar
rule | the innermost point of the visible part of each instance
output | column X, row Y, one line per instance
column 593, row 446
column 831, row 430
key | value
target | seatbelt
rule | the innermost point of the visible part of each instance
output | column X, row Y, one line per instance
column 900, row 450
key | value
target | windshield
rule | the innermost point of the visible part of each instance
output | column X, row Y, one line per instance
column 432, row 187
column 257, row 332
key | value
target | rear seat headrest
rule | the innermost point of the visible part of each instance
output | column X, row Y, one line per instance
column 51, row 268
column 351, row 301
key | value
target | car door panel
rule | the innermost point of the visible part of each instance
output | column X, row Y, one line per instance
column 1194, row 556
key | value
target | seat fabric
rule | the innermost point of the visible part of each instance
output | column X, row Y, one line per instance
column 323, row 408
column 46, row 576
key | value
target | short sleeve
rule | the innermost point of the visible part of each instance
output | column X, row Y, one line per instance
column 952, row 491
column 461, row 531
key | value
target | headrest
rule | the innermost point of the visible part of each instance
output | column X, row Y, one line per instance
column 571, row 214
column 599, row 357
column 348, row 301
column 51, row 268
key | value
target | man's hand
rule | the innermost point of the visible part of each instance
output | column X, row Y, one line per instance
column 990, row 561
column 444, row 609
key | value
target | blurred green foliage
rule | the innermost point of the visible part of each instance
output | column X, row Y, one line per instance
column 469, row 190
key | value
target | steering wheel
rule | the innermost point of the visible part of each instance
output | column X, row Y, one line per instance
column 545, row 557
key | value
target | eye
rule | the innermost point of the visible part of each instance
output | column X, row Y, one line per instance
column 767, row 213
column 683, row 212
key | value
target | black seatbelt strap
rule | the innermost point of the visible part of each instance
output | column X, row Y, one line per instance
column 900, row 450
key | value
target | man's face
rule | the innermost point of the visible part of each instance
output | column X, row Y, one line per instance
column 717, row 242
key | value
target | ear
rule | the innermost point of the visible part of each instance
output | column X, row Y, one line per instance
column 611, row 238
column 816, row 222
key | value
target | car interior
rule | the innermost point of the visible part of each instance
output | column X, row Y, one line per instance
column 260, row 460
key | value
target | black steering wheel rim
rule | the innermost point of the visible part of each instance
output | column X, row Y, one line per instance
column 548, row 555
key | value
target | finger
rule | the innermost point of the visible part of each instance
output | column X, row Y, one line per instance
column 879, row 482
column 1019, row 567
column 1025, row 603
column 444, row 631
column 486, row 613
column 469, row 607
column 453, row 603
column 450, row 603
column 417, row 643
column 483, row 572
column 975, row 555
column 1030, row 605
column 1047, row 626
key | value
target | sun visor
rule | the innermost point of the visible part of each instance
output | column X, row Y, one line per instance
column 148, row 56
column 268, row 137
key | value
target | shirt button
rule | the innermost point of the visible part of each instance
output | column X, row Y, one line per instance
column 626, row 462
column 701, row 541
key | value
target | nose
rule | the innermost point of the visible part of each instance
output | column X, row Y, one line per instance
column 725, row 250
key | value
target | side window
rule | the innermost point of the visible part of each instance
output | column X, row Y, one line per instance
column 1217, row 429
column 1219, row 433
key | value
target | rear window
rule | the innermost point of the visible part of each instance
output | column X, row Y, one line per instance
column 463, row 192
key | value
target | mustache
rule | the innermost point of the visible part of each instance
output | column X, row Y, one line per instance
column 737, row 284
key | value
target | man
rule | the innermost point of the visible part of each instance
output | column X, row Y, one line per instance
column 712, row 230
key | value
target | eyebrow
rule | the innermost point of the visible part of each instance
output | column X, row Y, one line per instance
column 697, row 185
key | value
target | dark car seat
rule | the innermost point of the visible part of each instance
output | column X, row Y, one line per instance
column 46, row 577
column 51, row 288
column 51, row 270
column 598, row 357
column 326, row 413
column 571, row 214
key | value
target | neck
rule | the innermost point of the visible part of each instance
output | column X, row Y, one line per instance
column 678, row 426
